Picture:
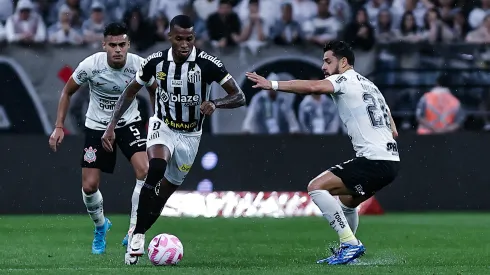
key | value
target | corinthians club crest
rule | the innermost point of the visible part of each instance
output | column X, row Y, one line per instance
column 90, row 155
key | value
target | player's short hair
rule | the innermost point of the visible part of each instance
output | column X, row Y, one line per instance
column 225, row 2
column 256, row 2
column 115, row 29
column 341, row 49
column 182, row 21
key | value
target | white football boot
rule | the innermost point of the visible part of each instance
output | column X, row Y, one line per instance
column 137, row 245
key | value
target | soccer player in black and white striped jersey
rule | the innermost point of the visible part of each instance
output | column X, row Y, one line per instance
column 184, row 75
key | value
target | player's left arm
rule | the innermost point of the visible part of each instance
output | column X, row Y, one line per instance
column 392, row 123
column 328, row 85
column 152, row 91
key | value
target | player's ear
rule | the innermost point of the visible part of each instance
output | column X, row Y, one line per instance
column 103, row 45
column 129, row 44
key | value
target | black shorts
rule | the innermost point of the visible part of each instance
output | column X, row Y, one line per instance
column 130, row 138
column 365, row 177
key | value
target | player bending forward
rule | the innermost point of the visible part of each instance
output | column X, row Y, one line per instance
column 184, row 75
column 371, row 129
column 107, row 74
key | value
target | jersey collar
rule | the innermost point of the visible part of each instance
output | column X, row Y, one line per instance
column 191, row 58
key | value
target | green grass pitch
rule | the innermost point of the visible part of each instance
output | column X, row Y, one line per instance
column 396, row 244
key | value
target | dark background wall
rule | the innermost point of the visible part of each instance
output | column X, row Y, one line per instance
column 438, row 172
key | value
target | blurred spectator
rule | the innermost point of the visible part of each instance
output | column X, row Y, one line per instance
column 286, row 31
column 2, row 32
column 6, row 10
column 25, row 25
column 477, row 15
column 384, row 28
column 199, row 25
column 267, row 10
column 141, row 33
column 63, row 32
column 254, row 32
column 77, row 13
column 341, row 10
column 360, row 34
column 447, row 10
column 436, row 31
column 205, row 8
column 439, row 111
column 417, row 7
column 267, row 114
column 303, row 10
column 171, row 8
column 224, row 26
column 409, row 31
column 162, row 27
column 482, row 34
column 318, row 115
column 43, row 8
column 322, row 28
column 460, row 26
column 93, row 28
column 373, row 7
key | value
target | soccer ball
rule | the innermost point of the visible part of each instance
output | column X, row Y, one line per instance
column 165, row 249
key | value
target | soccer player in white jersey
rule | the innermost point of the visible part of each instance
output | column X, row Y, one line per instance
column 369, row 124
column 107, row 74
column 184, row 75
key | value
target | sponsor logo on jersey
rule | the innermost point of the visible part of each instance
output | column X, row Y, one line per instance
column 130, row 70
column 340, row 79
column 186, row 100
column 211, row 58
column 161, row 75
column 177, row 83
column 180, row 125
column 185, row 168
column 107, row 104
column 90, row 155
column 97, row 71
column 150, row 57
column 193, row 76
column 82, row 75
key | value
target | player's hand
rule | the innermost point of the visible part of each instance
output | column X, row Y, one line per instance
column 395, row 134
column 56, row 138
column 260, row 81
column 207, row 108
column 108, row 139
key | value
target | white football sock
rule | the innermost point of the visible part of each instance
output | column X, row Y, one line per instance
column 332, row 211
column 95, row 209
column 134, row 202
column 352, row 216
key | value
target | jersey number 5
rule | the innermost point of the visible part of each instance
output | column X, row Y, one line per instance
column 377, row 111
column 135, row 130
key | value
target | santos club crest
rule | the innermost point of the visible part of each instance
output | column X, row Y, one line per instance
column 90, row 155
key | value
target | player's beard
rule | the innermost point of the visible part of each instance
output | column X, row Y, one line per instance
column 337, row 69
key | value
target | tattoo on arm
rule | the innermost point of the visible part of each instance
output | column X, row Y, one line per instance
column 124, row 102
column 234, row 99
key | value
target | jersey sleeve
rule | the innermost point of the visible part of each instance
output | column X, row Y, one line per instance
column 152, row 79
column 147, row 70
column 336, row 81
column 218, row 72
column 83, row 73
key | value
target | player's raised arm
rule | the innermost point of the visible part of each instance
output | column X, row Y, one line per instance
column 235, row 97
column 324, row 86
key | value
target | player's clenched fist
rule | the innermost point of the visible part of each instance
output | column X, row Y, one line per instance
column 56, row 138
column 207, row 108
column 108, row 139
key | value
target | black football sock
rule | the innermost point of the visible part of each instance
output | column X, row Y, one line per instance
column 149, row 199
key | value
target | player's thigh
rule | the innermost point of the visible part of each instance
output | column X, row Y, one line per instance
column 183, row 158
column 364, row 177
column 161, row 140
column 90, row 180
column 131, row 139
column 94, row 155
column 330, row 182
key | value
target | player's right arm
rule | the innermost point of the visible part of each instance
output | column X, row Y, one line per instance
column 80, row 76
column 328, row 85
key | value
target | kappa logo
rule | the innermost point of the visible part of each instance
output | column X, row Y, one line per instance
column 161, row 75
column 90, row 155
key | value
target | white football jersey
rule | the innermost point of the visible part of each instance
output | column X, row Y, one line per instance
column 365, row 114
column 106, row 85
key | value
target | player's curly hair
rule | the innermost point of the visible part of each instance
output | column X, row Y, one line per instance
column 115, row 29
column 341, row 49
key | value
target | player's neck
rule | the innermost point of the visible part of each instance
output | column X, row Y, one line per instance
column 343, row 70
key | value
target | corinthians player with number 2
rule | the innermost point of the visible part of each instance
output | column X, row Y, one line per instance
column 107, row 74
column 184, row 75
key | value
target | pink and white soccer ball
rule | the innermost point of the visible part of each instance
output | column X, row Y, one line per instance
column 165, row 249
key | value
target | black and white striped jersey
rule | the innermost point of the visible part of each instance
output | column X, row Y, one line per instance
column 182, row 87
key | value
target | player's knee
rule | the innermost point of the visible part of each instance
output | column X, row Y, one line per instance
column 141, row 171
column 90, row 187
column 313, row 185
column 158, row 166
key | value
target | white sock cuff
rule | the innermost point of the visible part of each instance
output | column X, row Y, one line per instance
column 345, row 208
column 315, row 192
column 92, row 198
column 140, row 182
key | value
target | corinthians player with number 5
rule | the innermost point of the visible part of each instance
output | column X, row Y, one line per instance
column 107, row 74
column 184, row 75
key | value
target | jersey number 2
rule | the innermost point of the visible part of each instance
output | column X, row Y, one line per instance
column 374, row 108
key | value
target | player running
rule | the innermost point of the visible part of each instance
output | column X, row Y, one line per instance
column 107, row 74
column 369, row 124
column 184, row 75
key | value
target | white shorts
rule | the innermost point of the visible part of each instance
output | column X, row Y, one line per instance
column 183, row 148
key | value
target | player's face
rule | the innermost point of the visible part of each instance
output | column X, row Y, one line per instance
column 182, row 41
column 330, row 64
column 116, row 48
